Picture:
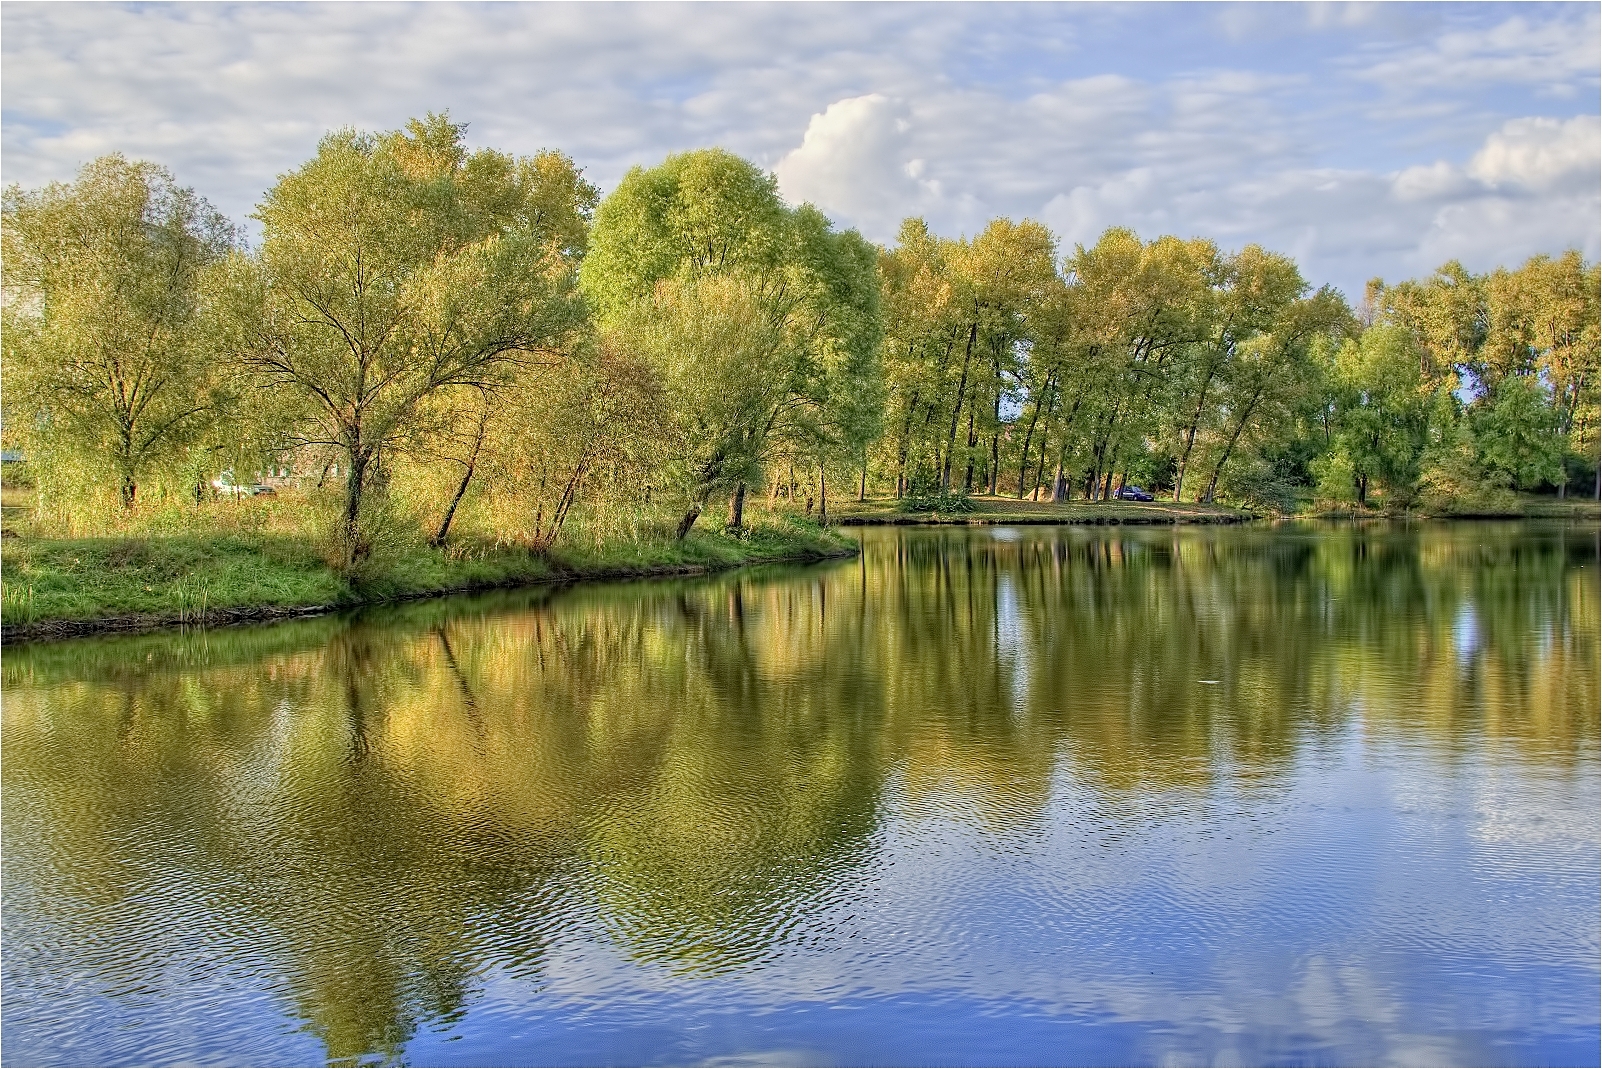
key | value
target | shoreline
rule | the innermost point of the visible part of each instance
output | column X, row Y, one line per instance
column 557, row 572
column 143, row 622
column 937, row 520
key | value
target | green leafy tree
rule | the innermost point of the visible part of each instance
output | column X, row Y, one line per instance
column 397, row 266
column 1517, row 433
column 1249, row 291
column 760, row 320
column 105, row 363
column 1380, row 417
column 1274, row 370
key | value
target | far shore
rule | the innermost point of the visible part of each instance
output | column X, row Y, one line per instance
column 56, row 588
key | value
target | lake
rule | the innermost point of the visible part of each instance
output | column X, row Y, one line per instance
column 1275, row 794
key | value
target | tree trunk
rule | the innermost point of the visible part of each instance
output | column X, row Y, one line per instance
column 1029, row 438
column 1040, row 469
column 355, row 546
column 127, row 490
column 1190, row 432
column 688, row 521
column 1240, row 425
column 737, row 507
column 823, row 497
column 862, row 487
column 967, row 479
column 962, row 388
column 993, row 471
column 450, row 512
column 906, row 442
column 467, row 476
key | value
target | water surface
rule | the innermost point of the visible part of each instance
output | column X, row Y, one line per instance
column 1006, row 796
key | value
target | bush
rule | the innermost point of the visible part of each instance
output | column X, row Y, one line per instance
column 937, row 500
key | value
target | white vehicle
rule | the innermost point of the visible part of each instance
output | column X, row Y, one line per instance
column 227, row 486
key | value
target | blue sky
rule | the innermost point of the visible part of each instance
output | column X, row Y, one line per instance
column 1363, row 139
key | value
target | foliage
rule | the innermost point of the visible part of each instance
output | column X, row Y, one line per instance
column 927, row 495
column 440, row 353
column 760, row 321
column 106, row 371
column 397, row 266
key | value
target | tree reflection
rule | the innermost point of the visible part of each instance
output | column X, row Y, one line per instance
column 377, row 808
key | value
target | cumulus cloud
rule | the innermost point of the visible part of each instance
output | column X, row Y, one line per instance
column 1531, row 187
column 855, row 161
column 1541, row 154
column 1362, row 140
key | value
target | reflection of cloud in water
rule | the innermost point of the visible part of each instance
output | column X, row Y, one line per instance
column 1011, row 640
column 1466, row 633
column 973, row 769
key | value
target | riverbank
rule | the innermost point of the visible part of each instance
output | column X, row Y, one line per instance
column 992, row 511
column 61, row 588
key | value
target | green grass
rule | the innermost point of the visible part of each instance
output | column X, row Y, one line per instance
column 1506, row 507
column 51, row 586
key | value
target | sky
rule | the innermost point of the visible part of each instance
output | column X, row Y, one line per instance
column 1364, row 140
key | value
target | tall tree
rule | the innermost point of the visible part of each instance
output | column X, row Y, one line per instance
column 399, row 265
column 103, row 355
column 761, row 320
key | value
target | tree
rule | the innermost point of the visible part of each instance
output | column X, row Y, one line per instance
column 1143, row 306
column 1266, row 379
column 1381, row 408
column 752, row 314
column 1250, row 290
column 397, row 266
column 1517, row 433
column 103, row 358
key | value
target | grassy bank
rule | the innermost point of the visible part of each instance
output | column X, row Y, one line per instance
column 1514, row 507
column 52, row 588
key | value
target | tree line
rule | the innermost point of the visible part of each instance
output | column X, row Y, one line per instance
column 423, row 327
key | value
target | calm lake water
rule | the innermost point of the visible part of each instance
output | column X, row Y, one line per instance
column 1043, row 795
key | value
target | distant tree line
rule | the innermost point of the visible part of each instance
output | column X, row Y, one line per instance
column 423, row 326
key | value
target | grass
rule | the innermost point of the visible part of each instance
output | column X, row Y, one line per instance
column 248, row 561
column 1508, row 507
column 58, row 586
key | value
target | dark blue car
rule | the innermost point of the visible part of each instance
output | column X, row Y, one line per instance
column 1134, row 493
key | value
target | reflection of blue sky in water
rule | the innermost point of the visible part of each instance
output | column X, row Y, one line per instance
column 962, row 800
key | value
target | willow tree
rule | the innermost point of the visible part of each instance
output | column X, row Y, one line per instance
column 104, row 358
column 1272, row 369
column 1249, row 291
column 1142, row 306
column 396, row 266
column 753, row 314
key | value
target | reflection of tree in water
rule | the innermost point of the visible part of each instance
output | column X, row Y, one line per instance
column 378, row 809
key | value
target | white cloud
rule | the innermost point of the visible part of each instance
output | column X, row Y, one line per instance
column 1531, row 187
column 854, row 161
column 1553, row 54
column 1431, row 182
column 1149, row 117
column 1541, row 154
